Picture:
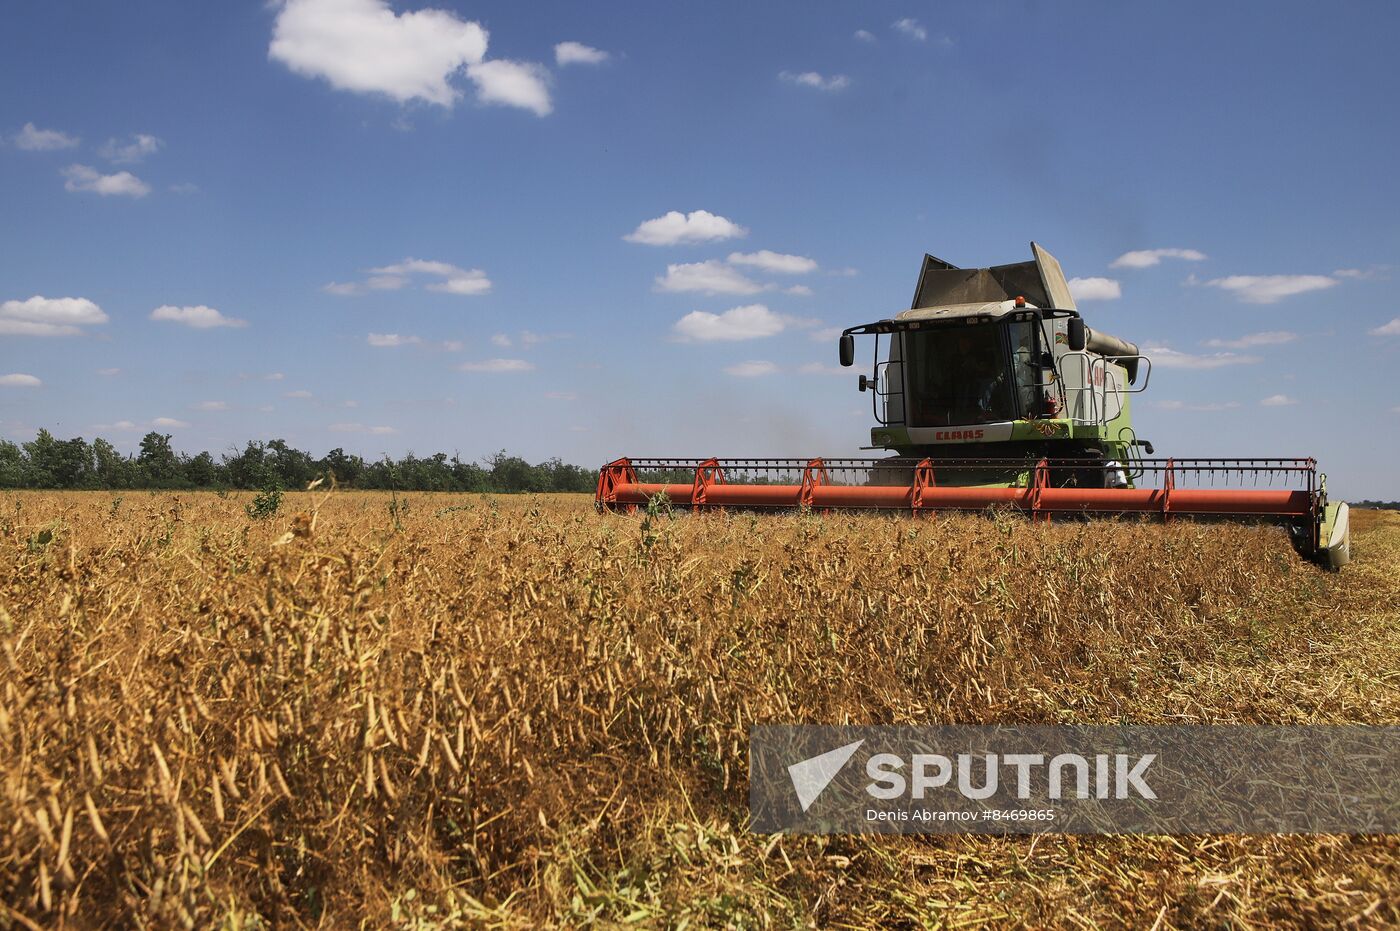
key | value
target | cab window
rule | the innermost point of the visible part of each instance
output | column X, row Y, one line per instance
column 1025, row 365
column 957, row 375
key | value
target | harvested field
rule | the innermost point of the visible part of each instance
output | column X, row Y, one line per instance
column 435, row 711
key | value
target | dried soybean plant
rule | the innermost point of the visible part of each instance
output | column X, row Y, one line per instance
column 519, row 713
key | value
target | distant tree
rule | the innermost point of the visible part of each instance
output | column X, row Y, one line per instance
column 513, row 474
column 246, row 469
column 560, row 476
column 468, row 476
column 74, row 467
column 110, row 468
column 291, row 467
column 157, row 460
column 47, row 462
column 13, row 465
column 203, row 472
column 346, row 469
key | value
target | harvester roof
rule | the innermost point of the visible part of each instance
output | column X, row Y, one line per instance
column 991, row 310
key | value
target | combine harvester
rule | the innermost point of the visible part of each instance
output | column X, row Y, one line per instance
column 993, row 392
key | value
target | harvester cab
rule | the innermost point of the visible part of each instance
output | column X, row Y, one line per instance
column 992, row 392
column 993, row 363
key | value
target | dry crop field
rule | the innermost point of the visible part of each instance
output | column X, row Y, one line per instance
column 441, row 711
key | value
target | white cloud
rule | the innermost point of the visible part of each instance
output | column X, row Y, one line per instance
column 131, row 150
column 1278, row 400
column 274, row 376
column 1145, row 258
column 864, row 35
column 1375, row 271
column 384, row 340
column 473, row 281
column 365, row 47
column 300, row 393
column 675, row 228
column 395, row 340
column 1269, row 289
column 711, row 277
column 372, row 283
column 122, row 425
column 835, row 82
column 33, row 139
column 109, row 372
column 84, row 178
column 212, row 406
column 1095, row 289
column 752, row 321
column 19, row 380
column 454, row 280
column 360, row 428
column 451, row 279
column 168, row 422
column 576, row 53
column 497, row 365
column 49, row 316
column 826, row 334
column 800, row 290
column 416, row 266
column 819, row 368
column 774, row 262
column 1208, row 406
column 526, row 338
column 911, row 28
column 1387, row 329
column 752, row 369
column 1251, row 340
column 199, row 317
column 1163, row 357
column 512, row 84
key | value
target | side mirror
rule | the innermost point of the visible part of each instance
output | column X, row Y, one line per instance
column 867, row 383
column 1077, row 336
column 848, row 349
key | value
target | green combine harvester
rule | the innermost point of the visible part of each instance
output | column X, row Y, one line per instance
column 991, row 391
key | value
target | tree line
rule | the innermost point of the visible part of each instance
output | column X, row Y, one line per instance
column 48, row 462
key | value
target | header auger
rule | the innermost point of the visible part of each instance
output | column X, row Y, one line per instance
column 992, row 392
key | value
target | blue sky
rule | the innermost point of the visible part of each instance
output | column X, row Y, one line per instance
column 425, row 227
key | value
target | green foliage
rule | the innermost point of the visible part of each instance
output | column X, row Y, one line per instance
column 397, row 508
column 265, row 503
column 48, row 462
column 158, row 461
column 658, row 507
